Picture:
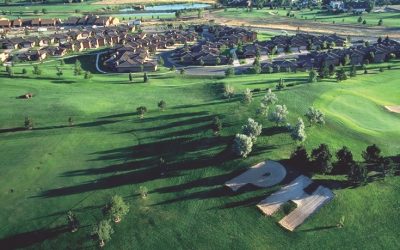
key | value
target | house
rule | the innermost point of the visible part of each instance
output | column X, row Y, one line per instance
column 86, row 43
column 4, row 56
column 17, row 23
column 48, row 22
column 72, row 21
column 5, row 23
column 336, row 6
column 35, row 22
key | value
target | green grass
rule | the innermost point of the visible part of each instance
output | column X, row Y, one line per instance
column 54, row 168
column 390, row 19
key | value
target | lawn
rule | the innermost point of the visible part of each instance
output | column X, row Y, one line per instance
column 110, row 150
column 390, row 19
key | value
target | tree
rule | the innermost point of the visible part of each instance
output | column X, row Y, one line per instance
column 229, row 72
column 141, row 111
column 77, row 67
column 321, row 159
column 380, row 22
column 247, row 96
column 28, row 124
column 346, row 59
column 358, row 174
column 364, row 22
column 252, row 129
column 298, row 132
column 116, row 208
column 341, row 75
column 103, row 231
column 312, row 76
column 162, row 105
column 281, row 84
column 59, row 72
column 73, row 222
column 161, row 61
column 88, row 75
column 344, row 161
column 182, row 71
column 216, row 125
column 44, row 11
column 70, row 121
column 143, row 192
column 353, row 71
column 256, row 69
column 130, row 77
column 242, row 145
column 359, row 20
column 229, row 91
column 300, row 157
column 315, row 116
column 10, row 71
column 24, row 71
column 62, row 62
column 269, row 98
column 278, row 115
column 145, row 78
column 372, row 154
column 36, row 70
column 324, row 72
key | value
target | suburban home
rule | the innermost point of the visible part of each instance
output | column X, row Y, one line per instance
column 17, row 23
column 4, row 56
column 5, row 23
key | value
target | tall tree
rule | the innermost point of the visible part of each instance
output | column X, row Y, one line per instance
column 162, row 105
column 315, row 116
column 344, row 161
column 103, row 231
column 372, row 154
column 252, row 129
column 242, row 145
column 116, row 208
column 298, row 132
column 247, row 96
column 322, row 159
column 278, row 115
column 299, row 157
column 141, row 111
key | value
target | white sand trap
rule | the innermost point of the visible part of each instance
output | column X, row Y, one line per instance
column 394, row 109
column 264, row 174
column 306, row 207
column 294, row 191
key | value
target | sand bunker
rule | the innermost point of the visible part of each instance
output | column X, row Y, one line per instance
column 264, row 174
column 394, row 109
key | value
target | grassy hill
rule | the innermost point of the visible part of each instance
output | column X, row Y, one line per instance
column 109, row 150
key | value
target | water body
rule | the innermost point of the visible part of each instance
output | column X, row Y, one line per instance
column 171, row 7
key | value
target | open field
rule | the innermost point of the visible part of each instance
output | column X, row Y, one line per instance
column 54, row 168
column 277, row 19
column 150, row 2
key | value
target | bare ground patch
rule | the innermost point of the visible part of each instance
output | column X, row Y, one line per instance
column 394, row 109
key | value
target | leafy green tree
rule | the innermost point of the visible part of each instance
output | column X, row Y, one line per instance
column 380, row 22
column 353, row 71
column 298, row 132
column 312, row 76
column 62, row 62
column 358, row 174
column 324, row 72
column 141, row 111
column 281, row 84
column 341, row 75
column 321, row 159
column 103, row 231
column 229, row 72
column 247, row 96
column 315, row 116
column 299, row 157
column 130, row 77
column 145, row 78
column 269, row 98
column 372, row 154
column 73, row 222
column 28, row 124
column 116, row 208
column 88, row 75
column 162, row 105
column 252, row 129
column 216, row 125
column 24, row 71
column 143, row 192
column 279, row 114
column 344, row 161
column 242, row 145
column 77, row 67
column 36, row 70
column 359, row 20
column 229, row 91
column 59, row 72
column 10, row 71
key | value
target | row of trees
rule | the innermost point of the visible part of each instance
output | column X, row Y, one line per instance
column 321, row 161
column 142, row 110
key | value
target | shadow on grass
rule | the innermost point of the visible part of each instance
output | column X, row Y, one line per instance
column 28, row 239
column 318, row 229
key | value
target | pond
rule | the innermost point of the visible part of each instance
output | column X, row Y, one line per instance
column 171, row 7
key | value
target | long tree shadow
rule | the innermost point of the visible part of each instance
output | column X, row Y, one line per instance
column 80, row 125
column 28, row 239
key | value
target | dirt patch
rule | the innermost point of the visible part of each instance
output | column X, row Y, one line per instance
column 115, row 2
column 394, row 109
